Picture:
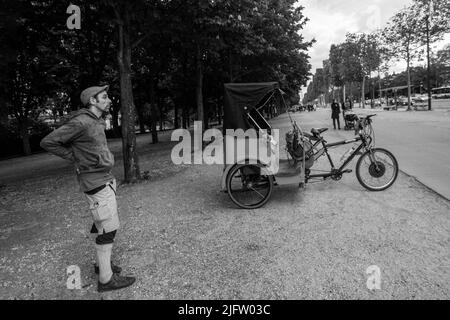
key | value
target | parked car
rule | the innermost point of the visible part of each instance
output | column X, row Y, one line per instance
column 420, row 99
column 293, row 109
column 403, row 101
column 376, row 103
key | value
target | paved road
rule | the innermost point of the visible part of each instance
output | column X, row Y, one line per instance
column 419, row 140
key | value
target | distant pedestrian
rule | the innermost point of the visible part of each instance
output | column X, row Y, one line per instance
column 348, row 104
column 81, row 140
column 335, row 114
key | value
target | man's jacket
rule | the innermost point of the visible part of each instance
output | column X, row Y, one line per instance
column 82, row 140
column 335, row 110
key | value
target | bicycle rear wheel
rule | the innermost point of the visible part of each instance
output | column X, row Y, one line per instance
column 248, row 187
column 377, row 169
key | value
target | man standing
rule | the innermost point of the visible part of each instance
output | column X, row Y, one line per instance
column 82, row 140
column 348, row 104
column 335, row 113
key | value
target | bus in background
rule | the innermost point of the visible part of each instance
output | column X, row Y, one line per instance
column 441, row 93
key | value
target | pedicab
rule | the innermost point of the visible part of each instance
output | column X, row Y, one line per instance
column 249, row 175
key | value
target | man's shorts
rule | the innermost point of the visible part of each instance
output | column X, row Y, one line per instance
column 103, row 208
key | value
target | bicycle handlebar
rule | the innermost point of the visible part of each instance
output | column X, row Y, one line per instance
column 367, row 117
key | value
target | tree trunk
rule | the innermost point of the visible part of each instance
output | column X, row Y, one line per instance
column 206, row 116
column 161, row 114
column 363, row 92
column 23, row 127
column 153, row 110
column 199, row 85
column 115, row 119
column 185, row 106
column 379, row 86
column 130, row 156
column 343, row 94
column 409, row 80
column 219, row 108
column 230, row 65
column 428, row 61
column 350, row 92
column 373, row 93
column 175, row 120
column 184, row 117
column 395, row 100
column 141, row 120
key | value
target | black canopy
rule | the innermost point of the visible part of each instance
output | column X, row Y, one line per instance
column 242, row 98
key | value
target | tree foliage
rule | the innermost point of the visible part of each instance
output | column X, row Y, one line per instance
column 403, row 38
column 165, row 60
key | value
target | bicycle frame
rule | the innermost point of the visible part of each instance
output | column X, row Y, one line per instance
column 325, row 148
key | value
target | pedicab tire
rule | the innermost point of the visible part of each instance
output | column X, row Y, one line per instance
column 358, row 170
column 242, row 206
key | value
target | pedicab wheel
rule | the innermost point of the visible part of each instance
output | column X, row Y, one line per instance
column 377, row 170
column 247, row 187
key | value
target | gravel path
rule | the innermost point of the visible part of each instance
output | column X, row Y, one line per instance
column 184, row 239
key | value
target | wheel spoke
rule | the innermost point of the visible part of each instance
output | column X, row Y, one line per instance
column 257, row 192
column 377, row 170
column 252, row 190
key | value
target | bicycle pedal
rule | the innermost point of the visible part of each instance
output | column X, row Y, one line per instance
column 347, row 171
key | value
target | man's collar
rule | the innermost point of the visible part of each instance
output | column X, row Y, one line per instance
column 93, row 113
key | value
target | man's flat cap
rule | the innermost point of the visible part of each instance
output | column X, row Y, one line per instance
column 88, row 93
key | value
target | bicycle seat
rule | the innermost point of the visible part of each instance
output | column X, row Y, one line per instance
column 317, row 132
column 312, row 137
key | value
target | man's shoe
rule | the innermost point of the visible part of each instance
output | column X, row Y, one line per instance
column 116, row 282
column 114, row 268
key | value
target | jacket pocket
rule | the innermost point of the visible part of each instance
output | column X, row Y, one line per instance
column 87, row 161
column 105, row 160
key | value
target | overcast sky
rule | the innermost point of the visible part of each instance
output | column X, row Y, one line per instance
column 330, row 20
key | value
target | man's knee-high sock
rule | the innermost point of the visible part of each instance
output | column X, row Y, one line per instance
column 104, row 262
column 93, row 236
